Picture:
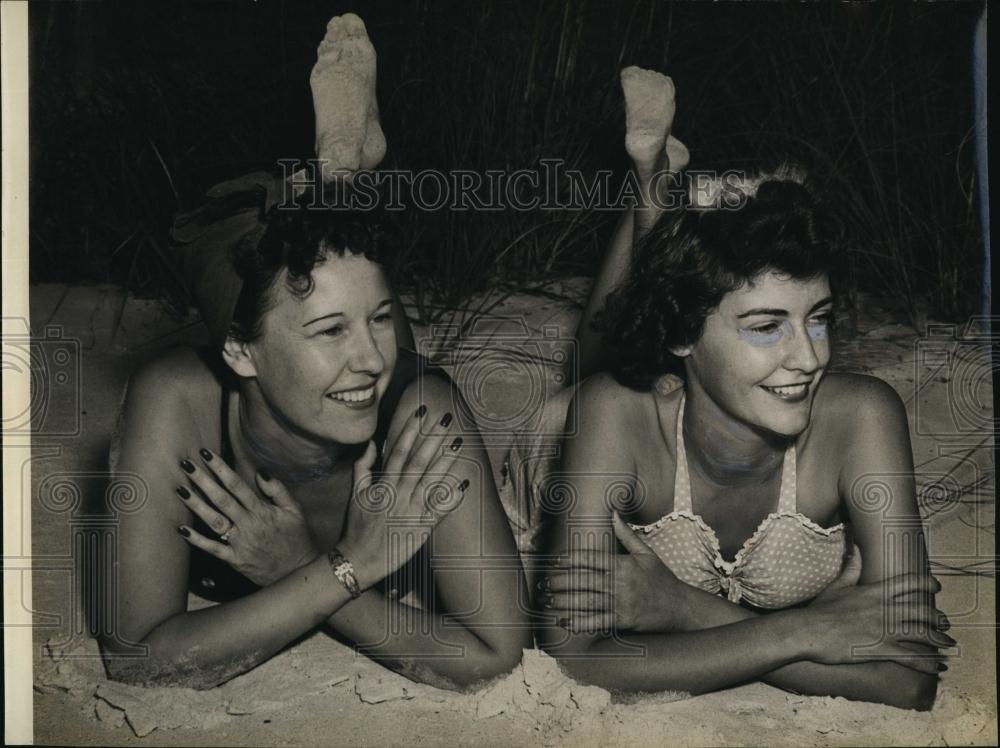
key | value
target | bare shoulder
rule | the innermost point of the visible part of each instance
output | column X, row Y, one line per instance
column 607, row 427
column 856, row 399
column 858, row 417
column 175, row 393
column 439, row 396
column 174, row 373
column 601, row 398
column 431, row 390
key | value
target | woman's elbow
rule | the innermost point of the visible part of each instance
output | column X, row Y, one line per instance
column 502, row 663
column 923, row 693
column 131, row 669
column 917, row 692
column 574, row 657
column 503, row 657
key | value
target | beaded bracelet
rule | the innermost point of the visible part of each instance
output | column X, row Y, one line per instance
column 344, row 571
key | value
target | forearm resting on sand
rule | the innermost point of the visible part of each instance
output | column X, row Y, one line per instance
column 885, row 682
column 424, row 645
column 204, row 648
column 725, row 645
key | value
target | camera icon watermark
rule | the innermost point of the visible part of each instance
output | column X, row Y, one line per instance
column 964, row 362
column 952, row 490
column 52, row 363
column 89, row 506
column 505, row 372
column 560, row 492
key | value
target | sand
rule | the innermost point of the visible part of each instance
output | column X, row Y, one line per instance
column 319, row 693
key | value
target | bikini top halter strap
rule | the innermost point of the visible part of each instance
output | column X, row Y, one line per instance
column 682, row 479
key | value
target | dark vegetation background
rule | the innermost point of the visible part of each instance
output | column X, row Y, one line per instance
column 138, row 107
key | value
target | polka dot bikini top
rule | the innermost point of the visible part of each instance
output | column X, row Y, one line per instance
column 788, row 559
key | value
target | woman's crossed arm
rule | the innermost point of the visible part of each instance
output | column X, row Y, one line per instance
column 698, row 642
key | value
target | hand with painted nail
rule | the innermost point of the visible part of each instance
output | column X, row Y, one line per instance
column 392, row 515
column 596, row 591
column 262, row 540
column 892, row 619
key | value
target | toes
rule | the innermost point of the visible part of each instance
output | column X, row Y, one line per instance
column 346, row 37
column 354, row 26
column 355, row 53
column 335, row 29
column 329, row 50
column 342, row 28
column 361, row 52
column 639, row 84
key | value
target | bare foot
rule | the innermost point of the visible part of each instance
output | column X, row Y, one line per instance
column 649, row 117
column 348, row 134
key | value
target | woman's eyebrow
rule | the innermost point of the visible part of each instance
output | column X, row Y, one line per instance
column 770, row 312
column 341, row 314
column 821, row 303
column 325, row 316
column 783, row 312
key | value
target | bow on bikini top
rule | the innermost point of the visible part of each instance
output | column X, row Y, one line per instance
column 788, row 559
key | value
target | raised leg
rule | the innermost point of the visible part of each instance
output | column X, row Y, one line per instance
column 649, row 117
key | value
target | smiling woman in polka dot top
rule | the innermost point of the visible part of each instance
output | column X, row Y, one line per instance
column 730, row 512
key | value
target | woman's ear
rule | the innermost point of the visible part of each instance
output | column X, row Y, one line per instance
column 237, row 356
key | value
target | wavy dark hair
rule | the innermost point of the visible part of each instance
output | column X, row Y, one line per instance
column 298, row 239
column 684, row 267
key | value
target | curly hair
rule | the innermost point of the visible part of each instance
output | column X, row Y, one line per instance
column 297, row 239
column 684, row 267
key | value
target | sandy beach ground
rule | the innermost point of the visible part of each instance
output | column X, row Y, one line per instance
column 319, row 693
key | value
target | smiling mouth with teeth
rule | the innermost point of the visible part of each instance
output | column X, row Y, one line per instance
column 789, row 392
column 354, row 396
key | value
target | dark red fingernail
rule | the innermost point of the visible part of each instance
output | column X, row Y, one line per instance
column 942, row 667
column 188, row 466
column 264, row 475
column 457, row 444
column 183, row 493
column 420, row 411
column 205, row 454
column 463, row 485
column 446, row 420
column 184, row 531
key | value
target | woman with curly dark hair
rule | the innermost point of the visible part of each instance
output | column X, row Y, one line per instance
column 259, row 456
column 307, row 469
column 728, row 468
